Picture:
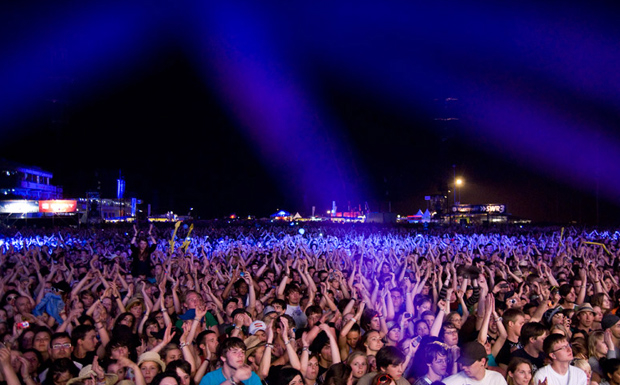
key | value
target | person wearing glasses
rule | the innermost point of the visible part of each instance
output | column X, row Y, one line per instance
column 559, row 371
column 60, row 347
column 435, row 357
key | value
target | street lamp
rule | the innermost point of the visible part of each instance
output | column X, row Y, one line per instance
column 458, row 184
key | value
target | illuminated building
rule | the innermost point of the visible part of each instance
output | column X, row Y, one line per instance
column 20, row 181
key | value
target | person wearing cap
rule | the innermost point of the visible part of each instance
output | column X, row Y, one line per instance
column 150, row 365
column 257, row 328
column 559, row 371
column 473, row 361
column 255, row 348
column 554, row 316
column 612, row 322
column 233, row 371
column 94, row 374
column 585, row 318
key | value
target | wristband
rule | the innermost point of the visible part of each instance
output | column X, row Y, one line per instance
column 287, row 342
column 268, row 345
column 354, row 320
column 305, row 349
column 232, row 381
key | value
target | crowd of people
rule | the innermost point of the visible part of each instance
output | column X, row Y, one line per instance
column 261, row 303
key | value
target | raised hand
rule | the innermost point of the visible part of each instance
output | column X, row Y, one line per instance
column 168, row 334
column 98, row 369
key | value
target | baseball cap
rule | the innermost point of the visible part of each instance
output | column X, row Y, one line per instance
column 548, row 316
column 256, row 326
column 472, row 352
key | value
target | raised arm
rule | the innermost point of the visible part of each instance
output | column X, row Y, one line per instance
column 289, row 343
column 342, row 339
column 582, row 290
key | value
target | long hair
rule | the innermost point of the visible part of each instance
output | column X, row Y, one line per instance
column 337, row 374
column 182, row 365
column 593, row 340
column 512, row 367
column 286, row 375
column 160, row 376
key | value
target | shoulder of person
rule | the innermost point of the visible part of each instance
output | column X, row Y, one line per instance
column 578, row 371
column 366, row 378
column 541, row 373
column 456, row 378
column 496, row 377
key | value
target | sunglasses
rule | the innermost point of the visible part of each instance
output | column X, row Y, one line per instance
column 385, row 379
column 11, row 297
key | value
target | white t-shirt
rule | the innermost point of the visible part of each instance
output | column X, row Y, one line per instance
column 574, row 376
column 490, row 378
column 298, row 315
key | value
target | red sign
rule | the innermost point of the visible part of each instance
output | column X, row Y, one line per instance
column 58, row 206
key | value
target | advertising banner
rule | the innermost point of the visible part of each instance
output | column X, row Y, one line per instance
column 21, row 206
column 58, row 206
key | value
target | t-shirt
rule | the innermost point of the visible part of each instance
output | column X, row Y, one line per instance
column 87, row 360
column 298, row 315
column 367, row 379
column 423, row 381
column 490, row 378
column 216, row 377
column 537, row 362
column 505, row 353
column 574, row 376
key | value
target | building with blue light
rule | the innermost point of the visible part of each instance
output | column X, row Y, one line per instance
column 27, row 182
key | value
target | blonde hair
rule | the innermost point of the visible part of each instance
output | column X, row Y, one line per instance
column 563, row 330
column 594, row 338
column 583, row 365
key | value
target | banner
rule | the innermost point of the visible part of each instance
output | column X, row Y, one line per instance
column 19, row 206
column 58, row 206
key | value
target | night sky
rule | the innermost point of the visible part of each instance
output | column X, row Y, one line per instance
column 247, row 108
